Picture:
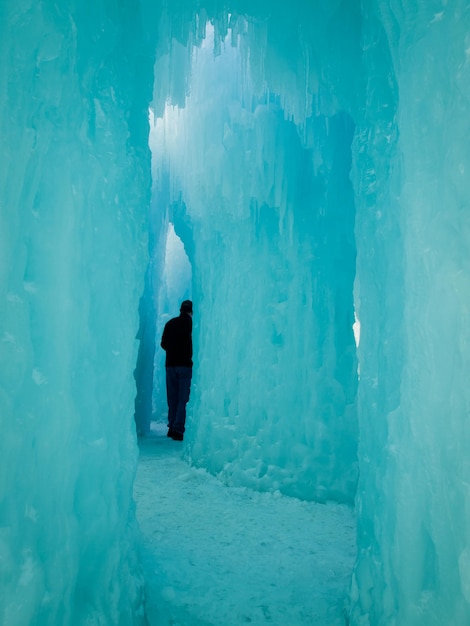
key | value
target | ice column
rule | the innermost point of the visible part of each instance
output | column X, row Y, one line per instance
column 413, row 297
column 74, row 184
column 262, row 166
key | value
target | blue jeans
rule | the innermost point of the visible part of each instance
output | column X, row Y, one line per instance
column 178, row 385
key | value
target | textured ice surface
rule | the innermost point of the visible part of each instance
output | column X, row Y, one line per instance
column 414, row 289
column 74, row 185
column 217, row 555
column 257, row 185
column 266, row 213
column 175, row 287
column 410, row 159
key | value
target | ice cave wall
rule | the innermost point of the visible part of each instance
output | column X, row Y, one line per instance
column 258, row 154
column 74, row 190
column 411, row 164
column 410, row 159
column 74, row 185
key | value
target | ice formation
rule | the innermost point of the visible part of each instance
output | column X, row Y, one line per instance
column 74, row 187
column 319, row 155
column 413, row 199
column 264, row 178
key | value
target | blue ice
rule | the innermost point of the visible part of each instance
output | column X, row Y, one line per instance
column 307, row 167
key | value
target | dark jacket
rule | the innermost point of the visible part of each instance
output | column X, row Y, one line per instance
column 177, row 341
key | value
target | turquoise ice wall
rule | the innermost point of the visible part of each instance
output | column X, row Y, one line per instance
column 412, row 162
column 74, row 190
column 258, row 147
column 408, row 96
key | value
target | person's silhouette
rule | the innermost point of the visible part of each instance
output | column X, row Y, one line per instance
column 178, row 345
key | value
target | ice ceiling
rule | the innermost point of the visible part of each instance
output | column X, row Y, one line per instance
column 315, row 168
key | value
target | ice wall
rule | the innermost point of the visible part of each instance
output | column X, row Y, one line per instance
column 258, row 185
column 412, row 163
column 410, row 158
column 74, row 185
column 260, row 155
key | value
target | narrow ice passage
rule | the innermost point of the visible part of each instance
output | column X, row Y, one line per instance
column 221, row 556
column 335, row 179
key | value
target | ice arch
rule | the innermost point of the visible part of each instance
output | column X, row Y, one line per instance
column 175, row 286
column 75, row 187
column 273, row 282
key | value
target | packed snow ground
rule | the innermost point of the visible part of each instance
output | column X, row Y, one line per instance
column 220, row 556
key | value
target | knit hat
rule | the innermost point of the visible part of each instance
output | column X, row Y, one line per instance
column 186, row 306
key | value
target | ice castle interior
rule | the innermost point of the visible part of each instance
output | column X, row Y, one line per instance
column 310, row 160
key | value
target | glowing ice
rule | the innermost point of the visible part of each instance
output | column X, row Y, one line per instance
column 258, row 185
column 275, row 357
column 73, row 196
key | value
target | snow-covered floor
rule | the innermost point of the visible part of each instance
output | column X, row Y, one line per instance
column 221, row 556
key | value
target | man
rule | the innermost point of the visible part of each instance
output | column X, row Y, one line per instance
column 178, row 345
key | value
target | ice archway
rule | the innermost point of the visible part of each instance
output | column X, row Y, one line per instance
column 76, row 82
column 265, row 204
